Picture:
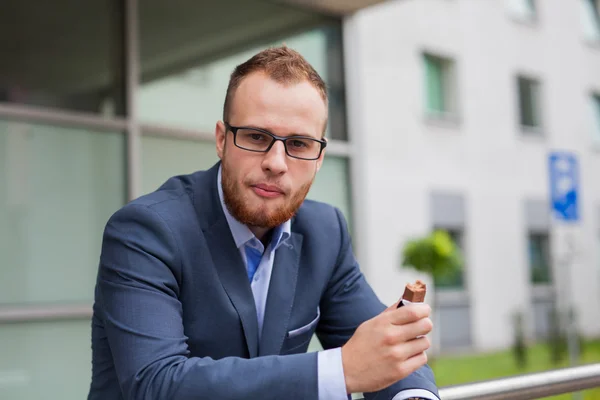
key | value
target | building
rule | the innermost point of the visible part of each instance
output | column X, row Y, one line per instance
column 442, row 114
column 453, row 109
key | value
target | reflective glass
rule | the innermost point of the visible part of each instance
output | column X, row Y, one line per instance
column 45, row 360
column 187, row 56
column 59, row 187
column 62, row 54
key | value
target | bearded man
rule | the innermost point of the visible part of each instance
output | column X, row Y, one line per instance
column 212, row 286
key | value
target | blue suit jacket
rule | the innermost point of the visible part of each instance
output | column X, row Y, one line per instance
column 174, row 316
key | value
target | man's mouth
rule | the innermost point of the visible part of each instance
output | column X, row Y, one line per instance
column 268, row 191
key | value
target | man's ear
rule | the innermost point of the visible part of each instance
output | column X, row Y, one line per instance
column 220, row 137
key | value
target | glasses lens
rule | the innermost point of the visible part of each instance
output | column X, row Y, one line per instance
column 303, row 148
column 252, row 140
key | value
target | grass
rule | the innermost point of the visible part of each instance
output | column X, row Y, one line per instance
column 453, row 370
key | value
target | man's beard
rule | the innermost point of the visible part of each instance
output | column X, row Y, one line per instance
column 262, row 217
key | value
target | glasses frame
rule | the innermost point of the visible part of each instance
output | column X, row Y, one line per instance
column 284, row 139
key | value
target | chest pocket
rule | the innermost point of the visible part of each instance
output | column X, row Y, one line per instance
column 297, row 339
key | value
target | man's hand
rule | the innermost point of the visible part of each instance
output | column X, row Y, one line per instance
column 387, row 348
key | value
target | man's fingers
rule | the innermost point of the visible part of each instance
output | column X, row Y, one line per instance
column 412, row 364
column 409, row 333
column 418, row 328
column 407, row 314
column 417, row 346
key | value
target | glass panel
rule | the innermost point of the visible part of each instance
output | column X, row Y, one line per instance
column 456, row 279
column 528, row 102
column 62, row 186
column 163, row 158
column 188, row 56
column 85, row 69
column 530, row 6
column 590, row 18
column 539, row 258
column 434, row 84
column 596, row 118
column 45, row 360
column 332, row 185
column 523, row 9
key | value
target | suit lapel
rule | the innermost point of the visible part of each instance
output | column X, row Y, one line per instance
column 233, row 276
column 282, row 290
column 225, row 255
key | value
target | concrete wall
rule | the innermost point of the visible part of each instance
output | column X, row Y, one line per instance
column 402, row 156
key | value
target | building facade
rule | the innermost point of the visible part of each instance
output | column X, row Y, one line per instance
column 441, row 116
column 454, row 107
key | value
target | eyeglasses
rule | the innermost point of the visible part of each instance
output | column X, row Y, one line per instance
column 261, row 141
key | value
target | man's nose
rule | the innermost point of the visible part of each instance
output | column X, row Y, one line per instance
column 275, row 159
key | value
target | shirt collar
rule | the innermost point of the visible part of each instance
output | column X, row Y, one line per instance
column 241, row 233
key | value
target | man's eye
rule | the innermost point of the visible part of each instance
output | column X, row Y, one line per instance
column 298, row 144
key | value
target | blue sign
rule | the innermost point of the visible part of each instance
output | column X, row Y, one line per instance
column 564, row 186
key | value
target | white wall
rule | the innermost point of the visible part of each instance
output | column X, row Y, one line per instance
column 401, row 156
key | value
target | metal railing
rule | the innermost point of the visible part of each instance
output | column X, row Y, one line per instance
column 530, row 386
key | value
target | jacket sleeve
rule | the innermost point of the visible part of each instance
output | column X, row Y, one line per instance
column 137, row 300
column 348, row 301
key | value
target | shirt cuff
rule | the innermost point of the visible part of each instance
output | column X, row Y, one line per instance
column 331, row 380
column 418, row 393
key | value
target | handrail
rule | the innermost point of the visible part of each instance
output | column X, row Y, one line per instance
column 528, row 386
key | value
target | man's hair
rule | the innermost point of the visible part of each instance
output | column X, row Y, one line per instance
column 282, row 64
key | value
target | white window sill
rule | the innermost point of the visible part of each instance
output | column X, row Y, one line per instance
column 442, row 119
column 532, row 132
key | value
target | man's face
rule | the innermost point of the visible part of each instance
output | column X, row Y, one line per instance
column 264, row 190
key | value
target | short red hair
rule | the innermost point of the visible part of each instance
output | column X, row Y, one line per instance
column 282, row 64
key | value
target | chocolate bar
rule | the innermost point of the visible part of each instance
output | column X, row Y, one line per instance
column 413, row 293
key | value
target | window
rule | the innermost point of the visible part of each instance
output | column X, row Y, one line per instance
column 456, row 279
column 529, row 102
column 45, row 360
column 44, row 63
column 59, row 187
column 332, row 185
column 590, row 18
column 440, row 86
column 539, row 258
column 187, row 56
column 595, row 105
column 522, row 9
column 164, row 157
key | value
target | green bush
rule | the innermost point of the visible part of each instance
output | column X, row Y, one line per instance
column 435, row 254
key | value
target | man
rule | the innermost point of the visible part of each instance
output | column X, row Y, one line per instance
column 212, row 286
